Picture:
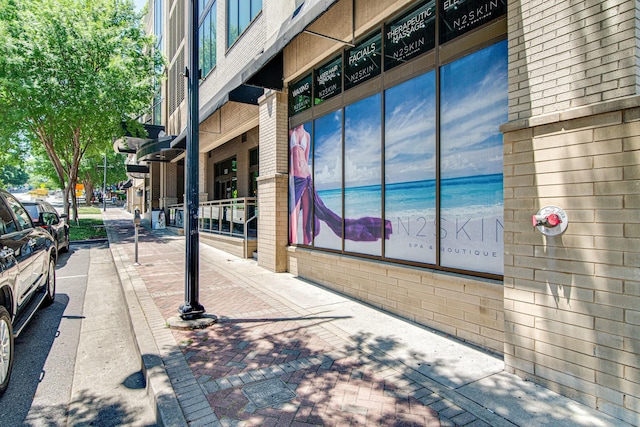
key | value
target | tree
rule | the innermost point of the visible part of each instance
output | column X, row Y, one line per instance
column 92, row 171
column 71, row 72
column 13, row 175
column 13, row 155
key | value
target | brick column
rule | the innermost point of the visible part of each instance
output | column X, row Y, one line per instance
column 273, row 182
column 169, row 184
column 154, row 173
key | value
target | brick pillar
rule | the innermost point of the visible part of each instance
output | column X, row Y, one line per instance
column 273, row 182
column 169, row 184
column 154, row 174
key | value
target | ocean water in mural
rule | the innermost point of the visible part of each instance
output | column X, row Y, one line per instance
column 471, row 226
column 473, row 105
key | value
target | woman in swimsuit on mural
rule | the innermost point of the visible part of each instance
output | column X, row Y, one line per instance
column 364, row 229
column 300, row 183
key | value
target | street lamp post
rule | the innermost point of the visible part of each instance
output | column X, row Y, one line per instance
column 191, row 308
column 104, row 185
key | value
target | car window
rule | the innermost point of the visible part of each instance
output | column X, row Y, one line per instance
column 33, row 211
column 7, row 224
column 50, row 218
column 23, row 217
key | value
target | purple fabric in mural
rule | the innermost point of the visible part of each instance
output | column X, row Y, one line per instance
column 365, row 229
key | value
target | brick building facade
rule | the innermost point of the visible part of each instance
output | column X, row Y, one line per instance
column 537, row 99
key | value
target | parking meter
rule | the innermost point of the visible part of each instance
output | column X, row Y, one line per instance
column 136, row 222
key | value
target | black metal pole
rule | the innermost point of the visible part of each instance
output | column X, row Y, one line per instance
column 191, row 309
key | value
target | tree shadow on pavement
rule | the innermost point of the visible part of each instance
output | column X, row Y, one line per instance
column 353, row 382
column 87, row 410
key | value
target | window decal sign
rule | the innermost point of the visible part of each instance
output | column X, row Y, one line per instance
column 461, row 16
column 300, row 96
column 328, row 79
column 363, row 62
column 410, row 36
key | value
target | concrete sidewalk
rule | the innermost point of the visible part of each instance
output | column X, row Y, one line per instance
column 288, row 352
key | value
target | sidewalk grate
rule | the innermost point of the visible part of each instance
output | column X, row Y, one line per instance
column 268, row 393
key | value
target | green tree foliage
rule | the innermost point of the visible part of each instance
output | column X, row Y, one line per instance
column 13, row 176
column 92, row 171
column 71, row 72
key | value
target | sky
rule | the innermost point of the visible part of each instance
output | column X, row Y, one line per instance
column 140, row 4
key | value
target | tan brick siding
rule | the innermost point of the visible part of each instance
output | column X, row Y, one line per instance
column 571, row 301
column 466, row 308
column 273, row 183
column 567, row 54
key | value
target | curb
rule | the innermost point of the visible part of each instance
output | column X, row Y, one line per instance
column 88, row 241
column 159, row 389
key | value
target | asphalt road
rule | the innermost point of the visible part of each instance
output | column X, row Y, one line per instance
column 76, row 363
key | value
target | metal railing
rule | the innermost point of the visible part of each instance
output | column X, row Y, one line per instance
column 231, row 217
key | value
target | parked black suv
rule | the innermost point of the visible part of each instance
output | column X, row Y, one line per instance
column 28, row 258
column 45, row 216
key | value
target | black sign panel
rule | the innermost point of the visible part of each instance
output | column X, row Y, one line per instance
column 363, row 62
column 409, row 36
column 460, row 16
column 328, row 80
column 300, row 96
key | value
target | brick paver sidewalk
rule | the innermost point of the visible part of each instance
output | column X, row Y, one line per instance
column 267, row 361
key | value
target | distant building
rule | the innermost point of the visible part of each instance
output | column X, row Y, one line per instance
column 397, row 152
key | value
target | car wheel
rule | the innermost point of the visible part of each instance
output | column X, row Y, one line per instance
column 51, row 284
column 6, row 349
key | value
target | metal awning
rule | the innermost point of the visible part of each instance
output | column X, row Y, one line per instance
column 137, row 169
column 129, row 144
column 157, row 150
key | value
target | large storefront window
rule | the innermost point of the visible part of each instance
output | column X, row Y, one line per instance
column 327, row 179
column 410, row 171
column 473, row 106
column 362, row 176
column 300, row 185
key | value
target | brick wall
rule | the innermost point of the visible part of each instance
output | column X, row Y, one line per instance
column 464, row 307
column 565, row 54
column 572, row 302
column 273, row 182
column 240, row 150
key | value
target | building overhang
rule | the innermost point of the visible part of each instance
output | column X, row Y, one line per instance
column 157, row 150
column 137, row 169
column 133, row 139
column 267, row 70
column 234, row 91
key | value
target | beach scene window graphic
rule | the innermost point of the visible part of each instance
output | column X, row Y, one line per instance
column 310, row 215
column 473, row 106
column 410, row 169
column 336, row 167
